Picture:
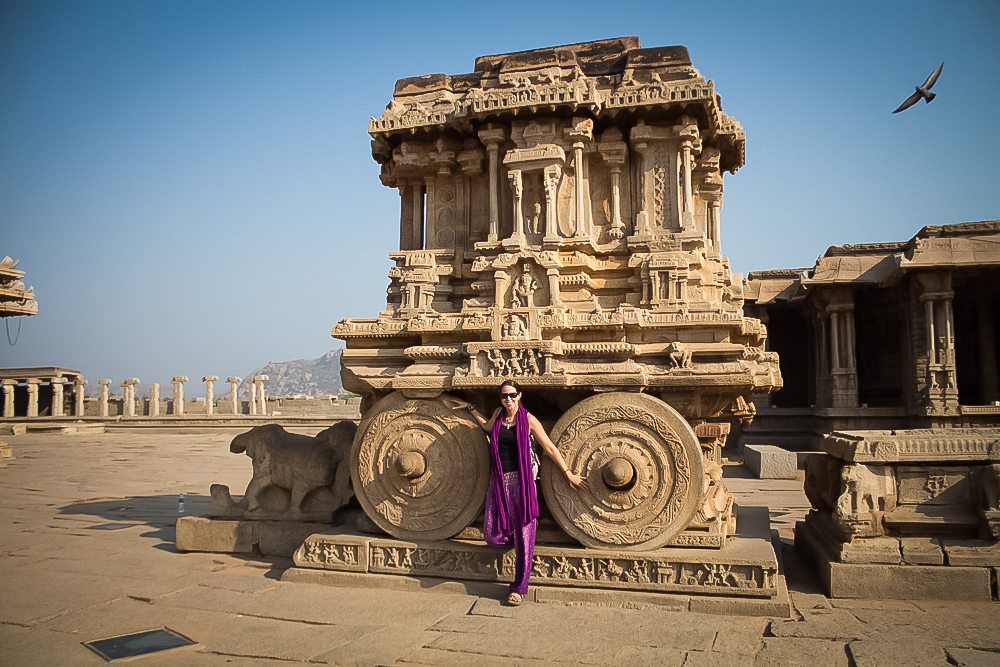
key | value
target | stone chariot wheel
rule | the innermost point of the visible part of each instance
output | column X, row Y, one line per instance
column 420, row 469
column 643, row 468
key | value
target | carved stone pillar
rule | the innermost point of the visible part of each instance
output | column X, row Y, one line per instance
column 154, row 399
column 261, row 379
column 551, row 182
column 581, row 132
column 178, row 390
column 844, row 372
column 430, row 216
column 8, row 397
column 209, row 381
column 128, row 396
column 822, row 362
column 234, row 383
column 501, row 282
column 78, row 397
column 57, row 395
column 33, row 396
column 690, row 139
column 492, row 136
column 105, row 383
column 941, row 382
column 517, row 189
column 253, row 395
column 554, row 297
column 417, row 222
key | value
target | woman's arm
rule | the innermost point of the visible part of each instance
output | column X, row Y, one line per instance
column 484, row 423
column 550, row 450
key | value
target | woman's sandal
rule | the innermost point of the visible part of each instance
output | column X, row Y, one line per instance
column 514, row 599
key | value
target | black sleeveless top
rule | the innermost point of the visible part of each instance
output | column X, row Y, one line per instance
column 507, row 446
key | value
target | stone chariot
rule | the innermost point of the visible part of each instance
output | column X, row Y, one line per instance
column 560, row 225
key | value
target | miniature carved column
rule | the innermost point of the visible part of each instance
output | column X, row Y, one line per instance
column 154, row 399
column 417, row 223
column 261, row 379
column 33, row 396
column 517, row 187
column 105, row 383
column 555, row 299
column 550, row 180
column 253, row 394
column 178, row 389
column 845, row 373
column 209, row 381
column 613, row 149
column 492, row 136
column 234, row 383
column 581, row 132
column 430, row 231
column 8, row 397
column 57, row 395
column 690, row 143
column 941, row 384
column 78, row 398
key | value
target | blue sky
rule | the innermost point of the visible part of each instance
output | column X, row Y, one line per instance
column 190, row 189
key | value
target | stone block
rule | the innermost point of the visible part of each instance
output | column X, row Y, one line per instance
column 770, row 462
column 871, row 550
column 975, row 553
column 922, row 551
column 200, row 534
column 909, row 582
column 282, row 538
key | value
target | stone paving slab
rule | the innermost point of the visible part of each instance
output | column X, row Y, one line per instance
column 63, row 581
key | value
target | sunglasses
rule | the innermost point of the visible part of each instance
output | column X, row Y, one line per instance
column 509, row 397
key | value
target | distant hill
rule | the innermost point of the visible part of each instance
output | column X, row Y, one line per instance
column 309, row 377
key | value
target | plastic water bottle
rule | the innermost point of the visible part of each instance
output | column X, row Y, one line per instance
column 180, row 504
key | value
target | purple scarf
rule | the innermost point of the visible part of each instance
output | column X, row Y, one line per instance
column 496, row 496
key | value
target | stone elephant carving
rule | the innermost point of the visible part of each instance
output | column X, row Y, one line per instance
column 295, row 477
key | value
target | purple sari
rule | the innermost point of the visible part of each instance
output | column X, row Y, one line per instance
column 499, row 527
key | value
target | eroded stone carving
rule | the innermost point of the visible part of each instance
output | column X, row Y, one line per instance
column 295, row 477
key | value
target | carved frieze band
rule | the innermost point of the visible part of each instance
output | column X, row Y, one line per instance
column 651, row 571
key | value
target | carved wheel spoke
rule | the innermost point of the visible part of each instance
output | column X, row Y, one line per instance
column 643, row 467
column 420, row 469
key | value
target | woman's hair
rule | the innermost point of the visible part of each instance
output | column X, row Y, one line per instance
column 510, row 383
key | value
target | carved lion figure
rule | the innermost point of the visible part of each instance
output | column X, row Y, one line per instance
column 312, row 471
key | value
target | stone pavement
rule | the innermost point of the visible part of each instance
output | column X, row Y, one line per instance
column 86, row 552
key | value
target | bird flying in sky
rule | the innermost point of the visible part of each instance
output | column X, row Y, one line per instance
column 922, row 91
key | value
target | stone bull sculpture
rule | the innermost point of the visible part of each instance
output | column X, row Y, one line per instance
column 295, row 477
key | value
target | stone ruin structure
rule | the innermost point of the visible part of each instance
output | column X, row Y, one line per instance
column 559, row 225
column 884, row 336
column 896, row 359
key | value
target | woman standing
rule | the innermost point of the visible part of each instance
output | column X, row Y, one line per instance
column 512, row 499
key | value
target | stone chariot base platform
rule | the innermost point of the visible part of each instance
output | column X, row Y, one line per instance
column 740, row 578
column 962, row 569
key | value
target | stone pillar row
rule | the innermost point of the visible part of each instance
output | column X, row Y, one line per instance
column 258, row 396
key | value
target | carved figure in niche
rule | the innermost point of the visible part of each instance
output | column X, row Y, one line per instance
column 678, row 355
column 524, row 287
column 295, row 477
column 530, row 363
column 498, row 365
column 534, row 220
column 514, row 328
column 513, row 365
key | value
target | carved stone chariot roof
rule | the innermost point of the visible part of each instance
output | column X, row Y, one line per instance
column 603, row 79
